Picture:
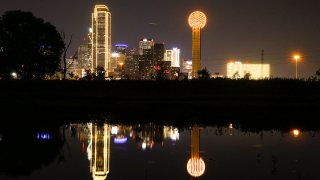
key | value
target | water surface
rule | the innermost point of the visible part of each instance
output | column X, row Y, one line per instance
column 151, row 151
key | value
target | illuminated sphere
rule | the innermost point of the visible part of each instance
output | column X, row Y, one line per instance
column 196, row 167
column 197, row 19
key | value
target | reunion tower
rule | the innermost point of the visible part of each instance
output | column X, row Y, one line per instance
column 197, row 20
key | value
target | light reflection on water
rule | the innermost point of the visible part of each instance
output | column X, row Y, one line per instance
column 151, row 151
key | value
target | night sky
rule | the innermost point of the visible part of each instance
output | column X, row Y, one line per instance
column 236, row 29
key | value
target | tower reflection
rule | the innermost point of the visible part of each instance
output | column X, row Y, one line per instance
column 99, row 150
column 195, row 165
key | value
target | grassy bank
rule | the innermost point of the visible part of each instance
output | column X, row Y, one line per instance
column 264, row 103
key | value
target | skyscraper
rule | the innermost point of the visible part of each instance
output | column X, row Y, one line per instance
column 158, row 54
column 132, row 65
column 101, row 38
column 146, row 47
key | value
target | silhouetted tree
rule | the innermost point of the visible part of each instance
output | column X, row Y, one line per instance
column 247, row 76
column 71, row 75
column 65, row 50
column 236, row 75
column 318, row 74
column 100, row 73
column 203, row 74
column 29, row 46
column 89, row 75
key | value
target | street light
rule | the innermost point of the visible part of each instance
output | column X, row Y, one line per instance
column 121, row 69
column 296, row 58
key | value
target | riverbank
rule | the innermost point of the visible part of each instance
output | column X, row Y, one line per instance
column 262, row 103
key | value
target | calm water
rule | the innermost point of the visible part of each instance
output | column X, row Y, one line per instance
column 150, row 151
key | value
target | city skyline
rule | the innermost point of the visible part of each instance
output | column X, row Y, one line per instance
column 235, row 31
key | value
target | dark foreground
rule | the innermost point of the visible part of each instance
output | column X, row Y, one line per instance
column 265, row 104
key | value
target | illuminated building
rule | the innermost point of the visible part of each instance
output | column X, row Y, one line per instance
column 82, row 52
column 187, row 68
column 237, row 70
column 146, row 47
column 121, row 48
column 101, row 37
column 99, row 150
column 145, row 44
column 195, row 165
column 84, row 59
column 173, row 56
column 116, row 65
column 171, row 132
column 73, row 68
column 132, row 65
column 89, row 49
column 197, row 20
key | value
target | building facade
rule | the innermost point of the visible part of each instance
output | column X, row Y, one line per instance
column 173, row 56
column 131, row 67
column 146, row 47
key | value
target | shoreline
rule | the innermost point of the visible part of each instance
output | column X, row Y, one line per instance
column 268, row 103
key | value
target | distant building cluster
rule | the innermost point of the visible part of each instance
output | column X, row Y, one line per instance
column 149, row 61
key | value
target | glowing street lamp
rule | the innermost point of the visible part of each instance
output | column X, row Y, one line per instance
column 296, row 58
column 197, row 20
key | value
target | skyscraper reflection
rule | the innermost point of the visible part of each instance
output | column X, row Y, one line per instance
column 99, row 150
column 195, row 165
column 148, row 135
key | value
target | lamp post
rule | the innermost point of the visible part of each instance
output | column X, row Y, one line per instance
column 296, row 58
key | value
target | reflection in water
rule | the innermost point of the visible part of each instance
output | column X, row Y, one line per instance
column 196, row 165
column 99, row 150
column 150, row 134
column 231, row 129
column 63, row 153
column 296, row 133
column 96, row 138
column 26, row 149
